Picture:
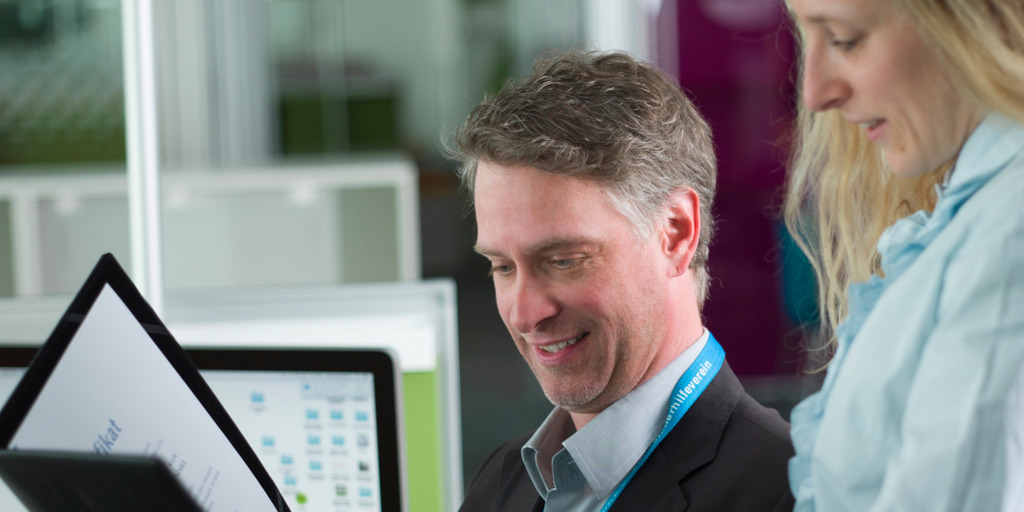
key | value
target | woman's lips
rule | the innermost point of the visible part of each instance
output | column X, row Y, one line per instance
column 874, row 129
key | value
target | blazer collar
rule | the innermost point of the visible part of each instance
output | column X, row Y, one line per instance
column 692, row 444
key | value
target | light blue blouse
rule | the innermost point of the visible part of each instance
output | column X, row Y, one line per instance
column 911, row 413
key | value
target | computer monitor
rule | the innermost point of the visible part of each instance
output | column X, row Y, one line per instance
column 323, row 422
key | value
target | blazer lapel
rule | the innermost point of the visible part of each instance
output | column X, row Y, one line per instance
column 692, row 444
column 517, row 493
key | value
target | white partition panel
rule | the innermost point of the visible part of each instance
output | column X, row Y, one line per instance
column 310, row 223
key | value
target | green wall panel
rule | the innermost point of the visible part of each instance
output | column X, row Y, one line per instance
column 424, row 466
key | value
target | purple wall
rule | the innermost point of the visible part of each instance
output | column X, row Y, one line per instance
column 736, row 63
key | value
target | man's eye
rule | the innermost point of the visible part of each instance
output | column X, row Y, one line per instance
column 499, row 269
column 565, row 263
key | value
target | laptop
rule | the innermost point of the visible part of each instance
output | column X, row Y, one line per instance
column 111, row 380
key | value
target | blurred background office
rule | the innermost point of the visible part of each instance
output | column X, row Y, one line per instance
column 297, row 143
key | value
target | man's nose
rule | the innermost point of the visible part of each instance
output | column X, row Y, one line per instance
column 823, row 88
column 532, row 303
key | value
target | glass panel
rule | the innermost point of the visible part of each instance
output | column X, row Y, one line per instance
column 62, row 132
column 355, row 76
column 61, row 93
column 364, row 76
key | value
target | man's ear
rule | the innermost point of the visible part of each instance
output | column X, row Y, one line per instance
column 681, row 232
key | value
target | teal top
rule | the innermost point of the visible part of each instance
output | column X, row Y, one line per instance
column 911, row 415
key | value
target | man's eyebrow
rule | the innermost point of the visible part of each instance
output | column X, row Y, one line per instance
column 542, row 247
column 484, row 251
column 562, row 243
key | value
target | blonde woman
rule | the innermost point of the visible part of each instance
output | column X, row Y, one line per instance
column 907, row 192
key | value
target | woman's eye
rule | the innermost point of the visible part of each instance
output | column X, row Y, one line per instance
column 844, row 44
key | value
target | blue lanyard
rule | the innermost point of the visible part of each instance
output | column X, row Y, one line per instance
column 689, row 387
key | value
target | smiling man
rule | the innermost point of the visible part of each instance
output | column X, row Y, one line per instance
column 592, row 181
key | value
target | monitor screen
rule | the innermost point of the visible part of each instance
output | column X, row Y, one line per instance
column 314, row 432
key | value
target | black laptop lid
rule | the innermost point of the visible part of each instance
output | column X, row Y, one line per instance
column 83, row 482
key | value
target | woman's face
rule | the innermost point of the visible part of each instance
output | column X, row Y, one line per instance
column 864, row 59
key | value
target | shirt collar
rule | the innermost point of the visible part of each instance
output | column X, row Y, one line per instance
column 603, row 451
column 546, row 442
column 988, row 149
column 995, row 141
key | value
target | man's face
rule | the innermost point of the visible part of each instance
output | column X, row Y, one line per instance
column 583, row 299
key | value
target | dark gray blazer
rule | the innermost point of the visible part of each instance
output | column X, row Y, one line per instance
column 728, row 453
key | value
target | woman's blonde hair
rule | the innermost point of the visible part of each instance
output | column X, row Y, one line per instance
column 840, row 198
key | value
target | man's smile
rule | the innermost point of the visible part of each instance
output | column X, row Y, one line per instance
column 551, row 348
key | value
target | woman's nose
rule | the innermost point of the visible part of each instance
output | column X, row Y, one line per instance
column 823, row 87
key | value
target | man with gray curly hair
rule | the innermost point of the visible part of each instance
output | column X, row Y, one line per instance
column 592, row 181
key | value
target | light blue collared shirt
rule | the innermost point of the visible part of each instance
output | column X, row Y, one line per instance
column 912, row 412
column 586, row 466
